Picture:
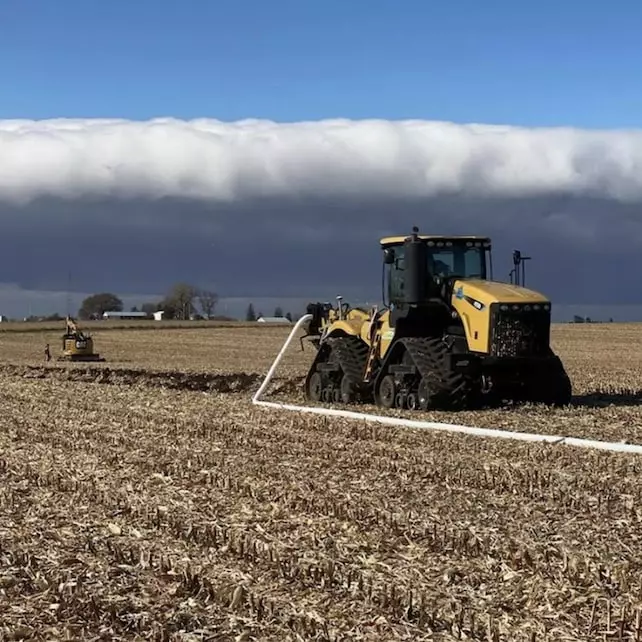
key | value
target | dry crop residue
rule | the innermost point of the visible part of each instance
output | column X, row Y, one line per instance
column 602, row 359
column 130, row 512
column 163, row 505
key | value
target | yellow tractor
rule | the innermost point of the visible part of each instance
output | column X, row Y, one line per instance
column 448, row 336
column 76, row 345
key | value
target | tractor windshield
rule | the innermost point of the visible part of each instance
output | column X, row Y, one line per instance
column 462, row 259
column 459, row 260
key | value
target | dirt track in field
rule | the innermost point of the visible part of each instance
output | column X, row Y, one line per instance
column 204, row 382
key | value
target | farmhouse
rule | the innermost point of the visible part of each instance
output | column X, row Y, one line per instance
column 124, row 315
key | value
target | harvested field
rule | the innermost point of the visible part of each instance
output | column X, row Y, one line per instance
column 603, row 361
column 146, row 498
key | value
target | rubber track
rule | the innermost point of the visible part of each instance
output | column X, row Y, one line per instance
column 553, row 388
column 352, row 354
column 430, row 356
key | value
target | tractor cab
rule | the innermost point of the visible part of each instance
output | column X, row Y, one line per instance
column 416, row 267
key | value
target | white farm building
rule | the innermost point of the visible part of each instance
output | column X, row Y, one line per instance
column 272, row 320
column 124, row 315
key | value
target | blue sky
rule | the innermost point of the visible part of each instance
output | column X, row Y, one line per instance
column 541, row 63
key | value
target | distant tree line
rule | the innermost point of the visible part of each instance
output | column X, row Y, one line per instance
column 579, row 319
column 185, row 301
column 47, row 317
column 182, row 302
column 250, row 315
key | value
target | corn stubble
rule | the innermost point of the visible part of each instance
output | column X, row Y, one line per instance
column 165, row 506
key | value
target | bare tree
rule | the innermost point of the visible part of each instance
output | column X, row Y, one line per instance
column 208, row 301
column 180, row 301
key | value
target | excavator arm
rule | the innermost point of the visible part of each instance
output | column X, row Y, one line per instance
column 73, row 329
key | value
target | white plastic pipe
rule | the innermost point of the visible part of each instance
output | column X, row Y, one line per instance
column 428, row 425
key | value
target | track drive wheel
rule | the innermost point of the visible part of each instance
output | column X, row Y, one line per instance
column 350, row 354
column 442, row 388
column 336, row 374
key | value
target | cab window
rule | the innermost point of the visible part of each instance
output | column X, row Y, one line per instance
column 396, row 276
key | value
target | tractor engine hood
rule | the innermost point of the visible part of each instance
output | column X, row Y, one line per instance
column 488, row 292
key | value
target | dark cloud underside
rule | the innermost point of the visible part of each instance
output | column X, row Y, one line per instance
column 264, row 209
column 585, row 250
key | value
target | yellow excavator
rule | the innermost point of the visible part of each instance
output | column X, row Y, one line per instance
column 76, row 345
column 447, row 337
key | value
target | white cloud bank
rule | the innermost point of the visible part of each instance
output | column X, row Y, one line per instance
column 227, row 162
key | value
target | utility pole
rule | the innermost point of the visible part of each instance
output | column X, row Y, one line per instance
column 69, row 293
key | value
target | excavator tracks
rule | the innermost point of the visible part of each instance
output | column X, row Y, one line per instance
column 336, row 376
